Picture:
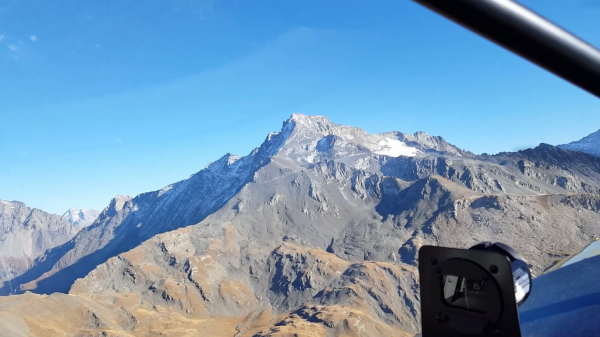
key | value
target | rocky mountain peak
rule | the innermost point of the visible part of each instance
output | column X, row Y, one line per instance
column 115, row 205
column 16, row 216
column 11, row 206
column 298, row 123
column 224, row 161
column 309, row 139
column 80, row 217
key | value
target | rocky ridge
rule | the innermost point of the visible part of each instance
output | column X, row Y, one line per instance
column 315, row 232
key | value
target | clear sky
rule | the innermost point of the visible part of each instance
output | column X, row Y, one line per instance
column 99, row 98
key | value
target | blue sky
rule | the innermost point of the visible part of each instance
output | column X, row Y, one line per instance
column 111, row 97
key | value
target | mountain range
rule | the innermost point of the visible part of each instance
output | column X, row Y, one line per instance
column 313, row 233
column 26, row 233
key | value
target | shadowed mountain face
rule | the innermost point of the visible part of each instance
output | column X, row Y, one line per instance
column 25, row 233
column 314, row 232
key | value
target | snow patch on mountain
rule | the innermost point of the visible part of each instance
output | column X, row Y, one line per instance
column 395, row 148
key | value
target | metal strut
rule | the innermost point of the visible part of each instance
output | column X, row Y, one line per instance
column 526, row 33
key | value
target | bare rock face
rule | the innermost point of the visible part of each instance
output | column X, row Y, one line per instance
column 25, row 233
column 314, row 233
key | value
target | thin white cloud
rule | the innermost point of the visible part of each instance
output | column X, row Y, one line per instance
column 1, row 38
column 119, row 141
column 14, row 48
column 33, row 38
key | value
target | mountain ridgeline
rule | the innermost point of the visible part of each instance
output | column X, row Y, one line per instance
column 25, row 233
column 315, row 232
column 589, row 144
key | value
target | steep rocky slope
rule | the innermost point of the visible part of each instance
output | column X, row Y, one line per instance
column 210, row 274
column 315, row 232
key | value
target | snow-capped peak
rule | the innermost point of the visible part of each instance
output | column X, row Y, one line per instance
column 299, row 122
column 589, row 144
column 80, row 217
column 309, row 139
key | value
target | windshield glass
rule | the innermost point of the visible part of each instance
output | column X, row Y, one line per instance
column 264, row 167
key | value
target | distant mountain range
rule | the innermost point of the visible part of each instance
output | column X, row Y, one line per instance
column 25, row 233
column 80, row 217
column 589, row 144
column 316, row 230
